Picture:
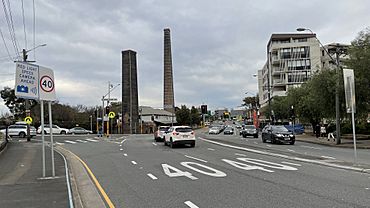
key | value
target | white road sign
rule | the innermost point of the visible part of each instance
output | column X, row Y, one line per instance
column 34, row 82
column 26, row 81
column 349, row 87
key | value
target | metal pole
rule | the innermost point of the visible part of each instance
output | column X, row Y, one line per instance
column 51, row 140
column 108, row 123
column 24, row 53
column 337, row 113
column 42, row 138
column 102, row 117
column 353, row 120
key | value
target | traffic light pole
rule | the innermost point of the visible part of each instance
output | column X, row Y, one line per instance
column 24, row 53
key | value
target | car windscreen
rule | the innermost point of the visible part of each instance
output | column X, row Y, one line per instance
column 163, row 128
column 279, row 128
column 249, row 127
column 184, row 129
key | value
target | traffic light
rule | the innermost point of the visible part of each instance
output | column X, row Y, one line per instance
column 107, row 109
column 203, row 109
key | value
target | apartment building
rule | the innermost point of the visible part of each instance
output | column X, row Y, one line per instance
column 291, row 60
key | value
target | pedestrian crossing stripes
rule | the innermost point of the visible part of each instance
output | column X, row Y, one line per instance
column 77, row 141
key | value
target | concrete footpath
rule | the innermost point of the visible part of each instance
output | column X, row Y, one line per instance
column 345, row 142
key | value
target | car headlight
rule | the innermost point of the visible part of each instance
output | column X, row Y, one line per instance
column 291, row 135
column 279, row 135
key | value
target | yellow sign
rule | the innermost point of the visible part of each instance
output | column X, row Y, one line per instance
column 111, row 115
column 28, row 120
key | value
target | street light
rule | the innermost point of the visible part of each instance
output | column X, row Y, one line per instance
column 110, row 89
column 336, row 61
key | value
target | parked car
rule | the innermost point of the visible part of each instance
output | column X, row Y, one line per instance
column 249, row 130
column 56, row 129
column 79, row 130
column 19, row 130
column 277, row 133
column 159, row 134
column 179, row 135
column 214, row 130
column 229, row 130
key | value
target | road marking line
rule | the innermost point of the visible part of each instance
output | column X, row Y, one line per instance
column 289, row 163
column 81, row 141
column 316, row 148
column 328, row 157
column 120, row 145
column 240, row 155
column 154, row 144
column 70, row 142
column 133, row 162
column 125, row 155
column 211, row 149
column 117, row 143
column 247, row 140
column 123, row 141
column 59, row 143
column 92, row 140
column 255, row 142
column 152, row 176
column 290, row 150
column 194, row 158
column 191, row 204
column 97, row 184
column 121, row 149
column 268, row 145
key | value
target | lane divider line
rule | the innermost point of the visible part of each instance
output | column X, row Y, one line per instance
column 92, row 140
column 194, row 158
column 290, row 150
column 121, row 149
column 268, row 145
column 71, row 142
column 328, row 157
column 210, row 149
column 152, row 176
column 79, row 140
column 289, row 163
column 133, row 162
column 191, row 204
column 97, row 184
column 125, row 155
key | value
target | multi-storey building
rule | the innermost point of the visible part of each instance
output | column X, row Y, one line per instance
column 291, row 60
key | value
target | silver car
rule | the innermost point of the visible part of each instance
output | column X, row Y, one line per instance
column 20, row 131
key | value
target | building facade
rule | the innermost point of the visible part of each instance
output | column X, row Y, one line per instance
column 291, row 60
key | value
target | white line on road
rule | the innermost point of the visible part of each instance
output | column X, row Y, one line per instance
column 268, row 145
column 211, row 149
column 92, row 140
column 247, row 140
column 255, row 142
column 70, row 142
column 328, row 157
column 123, row 141
column 289, row 163
column 120, row 145
column 154, row 144
column 121, row 149
column 194, row 158
column 133, row 162
column 125, row 155
column 240, row 155
column 191, row 204
column 290, row 150
column 79, row 140
column 59, row 143
column 152, row 176
column 316, row 148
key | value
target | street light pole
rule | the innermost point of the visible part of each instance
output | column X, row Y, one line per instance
column 338, row 67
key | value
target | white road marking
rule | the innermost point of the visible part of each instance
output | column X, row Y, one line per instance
column 328, row 157
column 92, row 140
column 290, row 150
column 152, row 176
column 191, row 204
column 120, row 145
column 121, row 149
column 367, row 188
column 211, row 149
column 255, row 142
column 154, row 144
column 289, row 163
column 316, row 148
column 117, row 142
column 268, row 145
column 247, row 140
column 59, row 143
column 125, row 155
column 133, row 162
column 194, row 158
column 70, row 142
column 123, row 141
column 240, row 154
column 81, row 141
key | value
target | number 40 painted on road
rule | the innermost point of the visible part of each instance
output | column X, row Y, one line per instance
column 174, row 172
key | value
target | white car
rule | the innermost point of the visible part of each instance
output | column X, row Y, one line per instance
column 214, row 130
column 56, row 129
column 179, row 135
column 159, row 134
column 19, row 130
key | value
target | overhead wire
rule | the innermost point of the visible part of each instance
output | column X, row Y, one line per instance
column 24, row 26
column 12, row 24
column 6, row 47
column 11, row 32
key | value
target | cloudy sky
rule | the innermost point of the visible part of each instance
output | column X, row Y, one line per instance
column 217, row 45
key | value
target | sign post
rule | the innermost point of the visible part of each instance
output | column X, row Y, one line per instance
column 349, row 86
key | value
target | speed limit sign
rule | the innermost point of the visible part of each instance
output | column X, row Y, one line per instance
column 47, row 83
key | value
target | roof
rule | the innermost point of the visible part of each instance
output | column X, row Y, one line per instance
column 283, row 36
column 146, row 110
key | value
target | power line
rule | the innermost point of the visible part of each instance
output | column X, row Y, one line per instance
column 24, row 26
column 11, row 32
column 6, row 47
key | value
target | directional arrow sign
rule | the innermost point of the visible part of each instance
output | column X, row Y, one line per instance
column 28, row 120
column 111, row 114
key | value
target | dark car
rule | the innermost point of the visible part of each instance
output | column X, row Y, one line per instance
column 249, row 130
column 229, row 130
column 277, row 133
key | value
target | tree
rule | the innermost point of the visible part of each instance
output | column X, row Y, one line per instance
column 251, row 102
column 195, row 116
column 183, row 116
column 17, row 106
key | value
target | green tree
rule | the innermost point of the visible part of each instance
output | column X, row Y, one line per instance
column 16, row 106
column 183, row 115
column 195, row 116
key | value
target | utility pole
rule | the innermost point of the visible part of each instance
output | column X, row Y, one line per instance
column 337, row 113
column 28, row 113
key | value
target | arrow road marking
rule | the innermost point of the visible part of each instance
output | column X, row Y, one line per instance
column 191, row 204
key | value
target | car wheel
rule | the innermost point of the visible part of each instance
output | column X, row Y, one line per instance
column 256, row 136
column 192, row 144
column 171, row 143
column 263, row 140
column 22, row 134
column 63, row 132
column 273, row 141
column 292, row 142
column 45, row 132
column 164, row 143
column 244, row 136
column 156, row 139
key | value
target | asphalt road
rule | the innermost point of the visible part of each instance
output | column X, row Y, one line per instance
column 135, row 171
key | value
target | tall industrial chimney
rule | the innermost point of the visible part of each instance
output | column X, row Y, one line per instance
column 168, row 98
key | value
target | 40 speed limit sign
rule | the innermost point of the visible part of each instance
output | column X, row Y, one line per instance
column 47, row 83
